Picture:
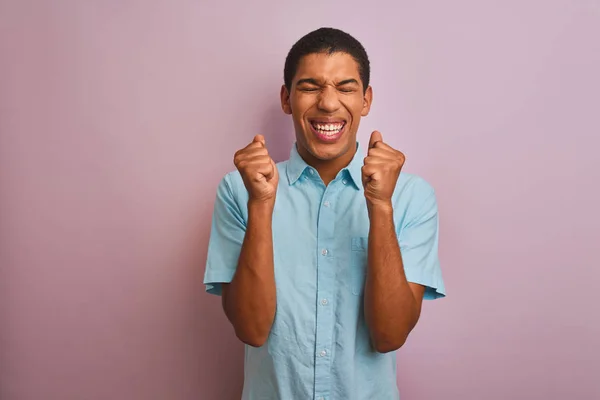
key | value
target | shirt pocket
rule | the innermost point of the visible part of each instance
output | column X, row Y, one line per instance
column 358, row 265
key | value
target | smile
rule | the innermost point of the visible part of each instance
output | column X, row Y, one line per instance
column 328, row 131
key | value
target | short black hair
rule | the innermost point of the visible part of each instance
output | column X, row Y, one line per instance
column 329, row 41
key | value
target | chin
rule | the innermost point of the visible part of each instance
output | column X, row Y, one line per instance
column 328, row 151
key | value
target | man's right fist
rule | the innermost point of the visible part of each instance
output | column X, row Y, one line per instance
column 258, row 170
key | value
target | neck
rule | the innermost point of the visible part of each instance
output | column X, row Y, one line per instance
column 328, row 169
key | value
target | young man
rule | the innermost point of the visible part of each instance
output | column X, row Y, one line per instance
column 323, row 260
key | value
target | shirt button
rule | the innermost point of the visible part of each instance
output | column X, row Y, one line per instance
column 324, row 252
column 310, row 171
column 323, row 353
column 324, row 302
column 345, row 182
column 326, row 204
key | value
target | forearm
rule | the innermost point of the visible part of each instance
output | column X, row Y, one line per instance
column 251, row 298
column 391, row 309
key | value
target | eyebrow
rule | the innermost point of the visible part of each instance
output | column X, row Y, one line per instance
column 347, row 81
column 313, row 81
column 310, row 81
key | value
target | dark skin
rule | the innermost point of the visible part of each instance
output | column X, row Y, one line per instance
column 326, row 88
column 249, row 300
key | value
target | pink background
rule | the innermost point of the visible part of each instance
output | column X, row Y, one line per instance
column 118, row 118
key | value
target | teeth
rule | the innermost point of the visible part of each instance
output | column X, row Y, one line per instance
column 329, row 130
column 329, row 127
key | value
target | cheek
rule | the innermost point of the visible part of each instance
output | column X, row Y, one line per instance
column 354, row 108
column 299, row 108
column 354, row 104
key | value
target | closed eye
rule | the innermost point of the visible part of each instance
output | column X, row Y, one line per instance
column 348, row 85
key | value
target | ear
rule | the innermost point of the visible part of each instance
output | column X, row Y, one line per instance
column 285, row 100
column 367, row 100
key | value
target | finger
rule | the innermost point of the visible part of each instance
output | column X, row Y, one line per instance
column 253, row 162
column 265, row 169
column 259, row 159
column 369, row 170
column 257, row 150
column 384, row 146
column 365, row 176
column 260, row 139
column 375, row 137
column 370, row 160
column 380, row 152
column 250, row 153
column 275, row 171
column 251, row 146
column 369, row 173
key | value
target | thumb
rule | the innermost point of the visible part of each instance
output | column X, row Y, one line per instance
column 375, row 137
column 275, row 171
column 260, row 139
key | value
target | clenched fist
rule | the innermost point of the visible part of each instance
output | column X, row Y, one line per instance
column 381, row 170
column 258, row 171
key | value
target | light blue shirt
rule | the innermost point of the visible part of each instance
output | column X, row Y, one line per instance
column 319, row 345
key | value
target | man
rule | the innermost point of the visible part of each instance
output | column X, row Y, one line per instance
column 323, row 260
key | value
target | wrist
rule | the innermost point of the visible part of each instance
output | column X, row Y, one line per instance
column 261, row 207
column 380, row 207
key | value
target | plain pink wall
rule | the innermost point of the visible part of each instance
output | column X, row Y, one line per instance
column 118, row 119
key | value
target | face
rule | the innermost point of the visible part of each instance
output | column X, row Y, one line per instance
column 326, row 101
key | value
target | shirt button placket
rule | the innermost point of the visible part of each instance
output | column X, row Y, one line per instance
column 326, row 284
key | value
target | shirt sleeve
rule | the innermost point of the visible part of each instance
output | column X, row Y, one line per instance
column 418, row 241
column 228, row 229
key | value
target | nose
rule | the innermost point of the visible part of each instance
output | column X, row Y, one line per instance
column 328, row 100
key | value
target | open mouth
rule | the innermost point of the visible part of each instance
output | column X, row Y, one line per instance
column 328, row 131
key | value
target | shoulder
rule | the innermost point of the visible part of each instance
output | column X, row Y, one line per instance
column 414, row 186
column 230, row 182
column 413, row 194
column 231, row 190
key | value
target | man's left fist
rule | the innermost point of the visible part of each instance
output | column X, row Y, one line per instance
column 380, row 171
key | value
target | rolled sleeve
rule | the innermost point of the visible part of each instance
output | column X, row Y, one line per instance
column 418, row 241
column 228, row 229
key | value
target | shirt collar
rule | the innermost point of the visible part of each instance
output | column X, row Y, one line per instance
column 296, row 167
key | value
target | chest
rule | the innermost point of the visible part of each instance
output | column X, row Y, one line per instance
column 320, row 242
